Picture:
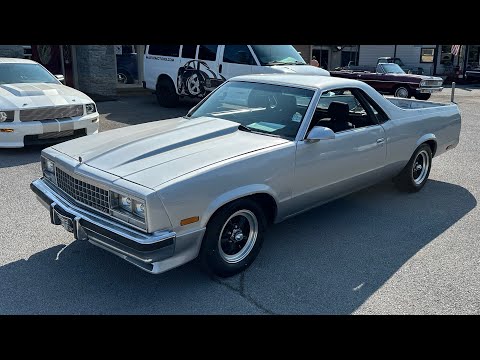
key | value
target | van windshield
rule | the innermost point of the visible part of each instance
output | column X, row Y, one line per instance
column 277, row 55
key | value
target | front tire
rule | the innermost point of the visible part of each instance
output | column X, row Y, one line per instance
column 166, row 93
column 415, row 174
column 233, row 238
column 402, row 92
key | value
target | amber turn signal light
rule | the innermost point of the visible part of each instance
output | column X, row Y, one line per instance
column 7, row 130
column 189, row 220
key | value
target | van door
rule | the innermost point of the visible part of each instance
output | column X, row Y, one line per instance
column 160, row 60
column 199, row 76
column 236, row 60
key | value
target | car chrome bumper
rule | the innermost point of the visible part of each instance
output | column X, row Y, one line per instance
column 429, row 90
column 138, row 248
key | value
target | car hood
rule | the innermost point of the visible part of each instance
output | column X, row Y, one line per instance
column 153, row 153
column 33, row 95
column 301, row 69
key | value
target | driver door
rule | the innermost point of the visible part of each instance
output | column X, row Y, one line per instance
column 328, row 169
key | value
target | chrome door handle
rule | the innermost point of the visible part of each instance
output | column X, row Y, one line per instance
column 380, row 141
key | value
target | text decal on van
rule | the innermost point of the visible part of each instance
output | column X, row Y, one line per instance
column 159, row 58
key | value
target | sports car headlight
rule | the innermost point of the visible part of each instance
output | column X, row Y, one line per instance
column 128, row 205
column 90, row 108
column 6, row 116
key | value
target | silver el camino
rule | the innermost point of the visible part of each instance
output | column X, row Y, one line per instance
column 257, row 150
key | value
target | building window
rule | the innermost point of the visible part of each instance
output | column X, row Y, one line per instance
column 426, row 55
column 348, row 58
column 446, row 55
column 473, row 57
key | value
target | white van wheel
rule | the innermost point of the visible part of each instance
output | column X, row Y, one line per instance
column 166, row 93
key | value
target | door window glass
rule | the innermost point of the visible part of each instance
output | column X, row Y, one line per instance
column 238, row 54
column 207, row 52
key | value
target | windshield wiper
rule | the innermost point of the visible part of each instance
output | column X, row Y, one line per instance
column 247, row 129
column 244, row 128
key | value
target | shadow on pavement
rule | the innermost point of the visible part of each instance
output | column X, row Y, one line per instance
column 21, row 156
column 140, row 109
column 329, row 260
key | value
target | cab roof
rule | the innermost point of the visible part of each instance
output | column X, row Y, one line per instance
column 311, row 81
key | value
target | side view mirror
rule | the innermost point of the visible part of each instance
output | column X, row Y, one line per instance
column 320, row 133
column 61, row 78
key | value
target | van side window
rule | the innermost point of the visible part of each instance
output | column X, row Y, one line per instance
column 164, row 50
column 207, row 52
column 188, row 51
column 238, row 54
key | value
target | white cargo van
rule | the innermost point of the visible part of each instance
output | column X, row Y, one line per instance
column 173, row 71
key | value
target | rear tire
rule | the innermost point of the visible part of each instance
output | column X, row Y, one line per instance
column 422, row 96
column 166, row 93
column 233, row 238
column 415, row 174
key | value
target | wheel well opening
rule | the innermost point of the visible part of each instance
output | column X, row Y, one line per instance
column 268, row 204
column 433, row 146
column 163, row 77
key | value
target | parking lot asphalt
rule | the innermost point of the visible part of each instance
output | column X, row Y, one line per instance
column 378, row 251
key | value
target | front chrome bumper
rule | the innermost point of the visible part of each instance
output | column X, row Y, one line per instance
column 141, row 249
column 429, row 90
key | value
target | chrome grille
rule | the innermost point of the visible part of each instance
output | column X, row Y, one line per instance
column 83, row 192
column 52, row 112
column 432, row 83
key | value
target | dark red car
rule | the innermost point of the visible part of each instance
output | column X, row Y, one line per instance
column 389, row 78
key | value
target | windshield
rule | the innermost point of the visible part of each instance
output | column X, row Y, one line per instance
column 277, row 55
column 12, row 73
column 391, row 68
column 267, row 109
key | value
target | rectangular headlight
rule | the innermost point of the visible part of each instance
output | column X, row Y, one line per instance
column 90, row 108
column 48, row 169
column 128, row 205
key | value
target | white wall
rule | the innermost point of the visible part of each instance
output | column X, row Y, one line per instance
column 410, row 55
column 369, row 54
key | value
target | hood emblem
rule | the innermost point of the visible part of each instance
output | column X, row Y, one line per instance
column 80, row 159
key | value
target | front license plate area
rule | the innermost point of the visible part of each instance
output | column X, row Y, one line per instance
column 62, row 219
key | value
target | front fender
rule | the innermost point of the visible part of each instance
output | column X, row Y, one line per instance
column 234, row 194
